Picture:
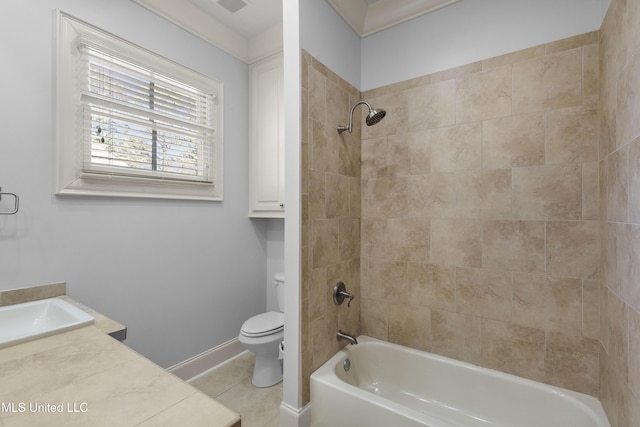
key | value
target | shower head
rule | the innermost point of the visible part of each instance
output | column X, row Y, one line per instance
column 373, row 117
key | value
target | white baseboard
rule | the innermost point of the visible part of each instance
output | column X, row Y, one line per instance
column 204, row 362
column 292, row 417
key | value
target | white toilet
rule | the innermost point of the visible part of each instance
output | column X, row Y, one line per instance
column 262, row 335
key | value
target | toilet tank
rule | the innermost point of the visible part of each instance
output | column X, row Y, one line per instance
column 279, row 283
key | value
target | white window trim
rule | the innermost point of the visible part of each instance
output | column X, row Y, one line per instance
column 70, row 178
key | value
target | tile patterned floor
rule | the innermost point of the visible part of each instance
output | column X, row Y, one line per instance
column 230, row 384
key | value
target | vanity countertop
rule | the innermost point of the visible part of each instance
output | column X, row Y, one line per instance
column 84, row 377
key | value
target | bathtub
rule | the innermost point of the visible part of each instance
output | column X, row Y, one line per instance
column 392, row 385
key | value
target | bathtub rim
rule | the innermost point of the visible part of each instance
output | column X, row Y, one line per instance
column 325, row 374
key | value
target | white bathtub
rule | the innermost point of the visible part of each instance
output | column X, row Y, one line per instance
column 395, row 386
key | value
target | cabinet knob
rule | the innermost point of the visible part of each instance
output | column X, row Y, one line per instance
column 282, row 205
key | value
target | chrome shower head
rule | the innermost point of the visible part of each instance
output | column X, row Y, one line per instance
column 373, row 117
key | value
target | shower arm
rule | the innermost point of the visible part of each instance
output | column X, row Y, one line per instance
column 348, row 128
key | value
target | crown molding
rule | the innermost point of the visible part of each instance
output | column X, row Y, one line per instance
column 368, row 19
column 192, row 19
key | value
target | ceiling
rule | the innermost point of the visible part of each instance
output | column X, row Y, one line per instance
column 252, row 29
column 366, row 17
column 246, row 17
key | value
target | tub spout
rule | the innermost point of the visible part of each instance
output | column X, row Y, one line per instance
column 344, row 336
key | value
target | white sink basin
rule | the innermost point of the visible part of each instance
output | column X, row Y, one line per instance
column 37, row 319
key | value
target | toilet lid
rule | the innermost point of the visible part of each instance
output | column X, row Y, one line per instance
column 263, row 324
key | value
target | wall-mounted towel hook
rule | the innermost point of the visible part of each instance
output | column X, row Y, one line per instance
column 16, row 203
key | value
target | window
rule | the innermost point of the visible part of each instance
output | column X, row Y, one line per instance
column 131, row 123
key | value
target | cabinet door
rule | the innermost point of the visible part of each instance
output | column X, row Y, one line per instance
column 266, row 165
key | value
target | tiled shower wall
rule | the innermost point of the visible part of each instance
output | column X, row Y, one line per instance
column 480, row 235
column 330, row 204
column 620, row 213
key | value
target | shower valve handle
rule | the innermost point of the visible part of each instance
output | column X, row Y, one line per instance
column 340, row 293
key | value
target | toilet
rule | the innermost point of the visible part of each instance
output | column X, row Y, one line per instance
column 262, row 335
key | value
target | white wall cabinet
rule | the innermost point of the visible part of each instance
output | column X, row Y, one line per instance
column 266, row 145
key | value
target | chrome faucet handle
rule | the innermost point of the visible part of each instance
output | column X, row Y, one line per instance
column 340, row 293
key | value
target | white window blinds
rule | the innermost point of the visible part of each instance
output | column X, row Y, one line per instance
column 138, row 122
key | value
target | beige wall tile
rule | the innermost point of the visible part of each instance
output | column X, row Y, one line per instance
column 564, row 240
column 401, row 154
column 317, row 197
column 514, row 245
column 512, row 58
column 407, row 239
column 617, row 329
column 572, row 135
column 546, row 303
column 384, row 197
column 331, row 194
column 337, row 196
column 386, row 281
column 484, row 95
column 514, row 349
column 325, row 249
column 608, row 269
column 396, row 239
column 431, row 196
column 484, row 194
column 604, row 317
column 397, row 155
column 349, row 238
column 432, row 286
column 591, row 74
column 628, row 108
column 432, row 106
column 374, row 158
column 590, row 191
column 552, row 81
column 323, row 340
column 374, row 318
column 348, row 153
column 452, row 73
column 337, row 102
column 456, row 242
column 419, row 152
column 355, row 194
column 317, row 293
column 572, row 362
column 457, row 336
column 324, row 151
column 614, row 185
column 634, row 182
column 634, row 352
column 373, row 232
column 513, row 141
column 410, row 326
column 457, row 148
column 547, row 192
column 396, row 120
column 484, row 293
column 628, row 251
column 317, row 89
column 591, row 309
column 573, row 42
column 608, row 105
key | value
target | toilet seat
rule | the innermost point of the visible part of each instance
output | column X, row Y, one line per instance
column 263, row 324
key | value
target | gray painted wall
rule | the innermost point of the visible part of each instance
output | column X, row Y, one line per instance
column 182, row 275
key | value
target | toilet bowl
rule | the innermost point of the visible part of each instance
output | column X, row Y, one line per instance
column 262, row 335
